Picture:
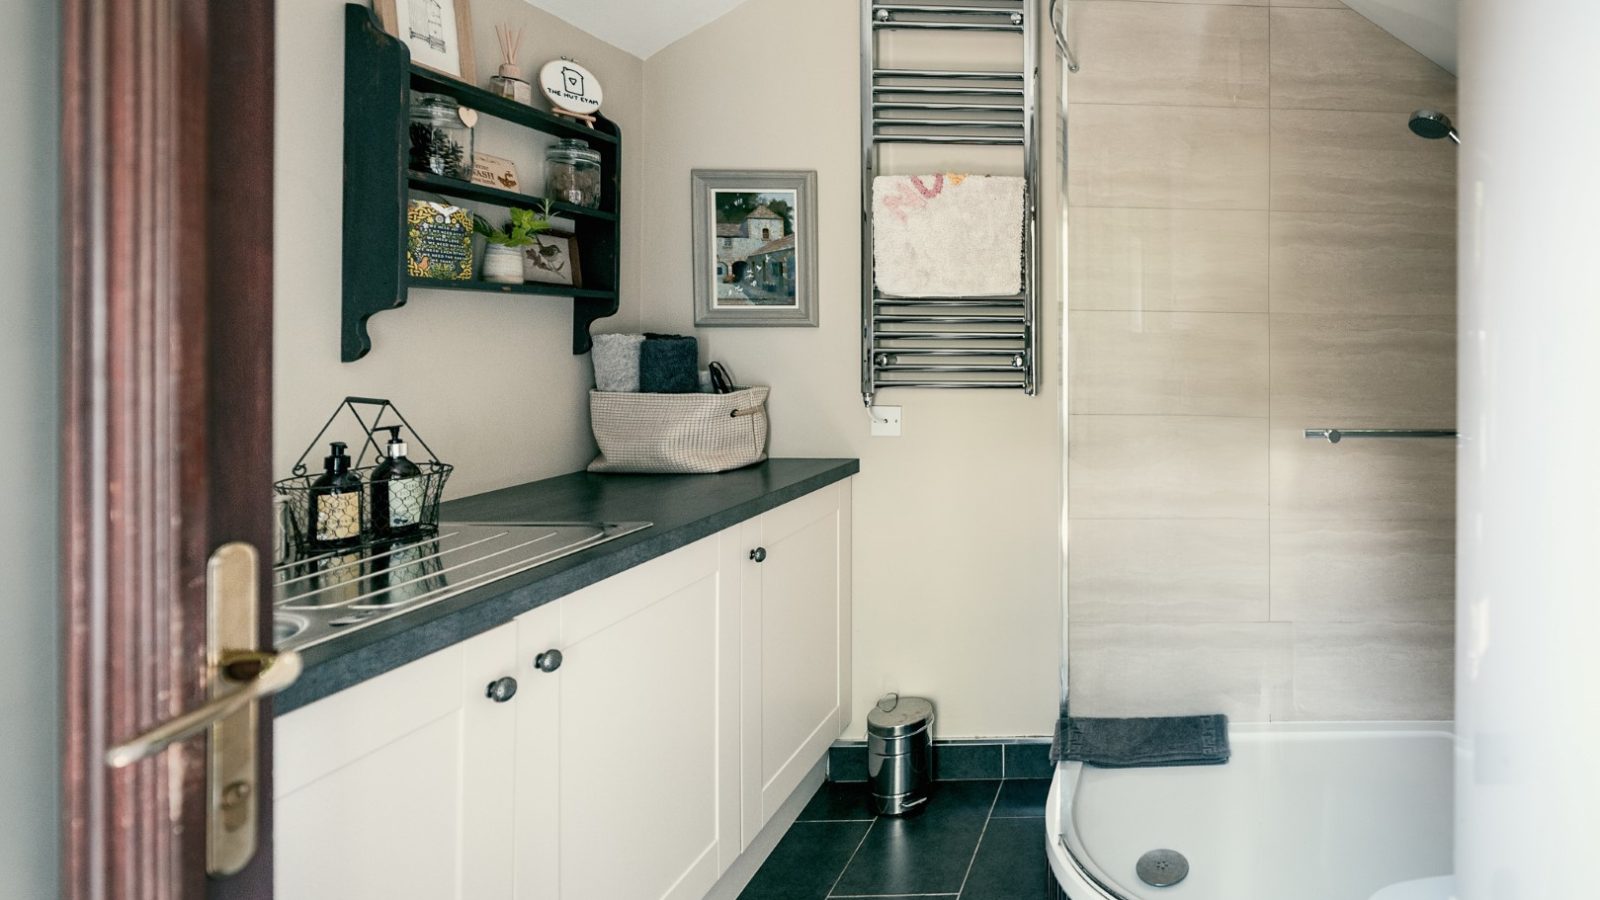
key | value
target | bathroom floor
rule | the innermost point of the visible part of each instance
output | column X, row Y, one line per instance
column 975, row 840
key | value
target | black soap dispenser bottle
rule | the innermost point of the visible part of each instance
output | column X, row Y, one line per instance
column 398, row 490
column 337, row 504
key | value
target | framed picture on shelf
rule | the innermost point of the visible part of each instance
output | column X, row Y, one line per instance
column 552, row 259
column 438, row 241
column 437, row 32
column 755, row 247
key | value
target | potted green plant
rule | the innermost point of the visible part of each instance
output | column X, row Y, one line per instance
column 502, row 260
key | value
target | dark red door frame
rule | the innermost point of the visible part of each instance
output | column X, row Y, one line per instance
column 166, row 426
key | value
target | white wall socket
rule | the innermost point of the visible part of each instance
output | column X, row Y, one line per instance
column 885, row 421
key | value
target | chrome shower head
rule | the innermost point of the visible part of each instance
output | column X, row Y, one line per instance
column 1433, row 125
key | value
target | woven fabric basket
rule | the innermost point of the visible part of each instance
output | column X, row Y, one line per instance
column 679, row 433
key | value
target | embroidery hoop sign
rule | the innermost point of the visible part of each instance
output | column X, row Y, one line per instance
column 571, row 89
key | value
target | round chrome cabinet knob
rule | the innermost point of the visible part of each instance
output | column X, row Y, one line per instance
column 548, row 661
column 502, row 689
column 759, row 554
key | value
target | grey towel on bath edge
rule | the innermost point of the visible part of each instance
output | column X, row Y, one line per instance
column 669, row 364
column 1130, row 743
column 616, row 362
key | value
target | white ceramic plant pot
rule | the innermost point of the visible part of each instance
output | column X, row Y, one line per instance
column 502, row 264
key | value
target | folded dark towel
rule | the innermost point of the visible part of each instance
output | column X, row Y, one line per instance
column 1130, row 743
column 669, row 364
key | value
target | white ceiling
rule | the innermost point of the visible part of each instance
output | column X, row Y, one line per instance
column 1429, row 26
column 640, row 27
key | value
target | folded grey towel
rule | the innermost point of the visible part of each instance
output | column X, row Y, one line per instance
column 669, row 364
column 616, row 362
column 1130, row 743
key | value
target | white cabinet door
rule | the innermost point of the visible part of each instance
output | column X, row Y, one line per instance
column 796, row 646
column 627, row 765
column 399, row 788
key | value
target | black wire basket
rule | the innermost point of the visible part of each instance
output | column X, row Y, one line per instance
column 345, row 521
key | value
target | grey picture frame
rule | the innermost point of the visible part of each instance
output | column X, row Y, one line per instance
column 709, row 310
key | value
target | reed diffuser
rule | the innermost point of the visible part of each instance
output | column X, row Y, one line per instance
column 509, row 83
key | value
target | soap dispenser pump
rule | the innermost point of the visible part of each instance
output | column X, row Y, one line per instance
column 398, row 490
column 337, row 504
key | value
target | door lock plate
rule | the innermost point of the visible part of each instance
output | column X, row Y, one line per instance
column 231, row 777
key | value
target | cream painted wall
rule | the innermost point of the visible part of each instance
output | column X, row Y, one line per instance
column 490, row 381
column 29, row 383
column 957, row 558
column 957, row 552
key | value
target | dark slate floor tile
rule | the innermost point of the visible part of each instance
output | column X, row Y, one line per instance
column 923, row 854
column 1021, row 798
column 1029, row 761
column 1010, row 864
column 806, row 861
column 837, row 801
column 847, row 763
column 966, row 761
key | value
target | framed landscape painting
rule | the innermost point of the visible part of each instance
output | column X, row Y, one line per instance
column 755, row 247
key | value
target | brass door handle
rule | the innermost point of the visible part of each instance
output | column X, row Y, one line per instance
column 273, row 672
column 238, row 674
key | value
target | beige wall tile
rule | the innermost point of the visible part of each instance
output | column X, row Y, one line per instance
column 1183, row 260
column 1357, row 162
column 1167, row 570
column 1167, row 467
column 1243, row 670
column 1358, row 263
column 1348, row 369
column 1167, row 157
column 1168, row 54
column 1156, row 363
column 1360, row 479
column 1338, row 59
column 1363, row 571
column 1172, row 565
column 1388, row 670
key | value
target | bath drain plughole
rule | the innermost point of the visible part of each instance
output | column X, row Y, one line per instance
column 1162, row 868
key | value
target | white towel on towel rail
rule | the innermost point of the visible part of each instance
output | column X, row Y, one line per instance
column 947, row 235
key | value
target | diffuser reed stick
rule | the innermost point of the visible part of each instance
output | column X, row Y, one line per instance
column 510, row 44
column 509, row 83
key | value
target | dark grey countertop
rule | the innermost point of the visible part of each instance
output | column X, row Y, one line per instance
column 682, row 508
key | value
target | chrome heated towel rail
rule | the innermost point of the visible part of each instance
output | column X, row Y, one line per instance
column 950, row 342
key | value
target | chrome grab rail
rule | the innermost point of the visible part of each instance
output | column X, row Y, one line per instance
column 1335, row 435
column 1057, row 29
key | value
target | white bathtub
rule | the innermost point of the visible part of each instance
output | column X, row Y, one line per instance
column 1302, row 812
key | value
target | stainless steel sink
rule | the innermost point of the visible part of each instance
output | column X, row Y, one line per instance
column 321, row 597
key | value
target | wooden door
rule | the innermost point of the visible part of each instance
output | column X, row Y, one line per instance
column 166, row 142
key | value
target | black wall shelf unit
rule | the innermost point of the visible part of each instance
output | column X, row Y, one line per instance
column 378, row 81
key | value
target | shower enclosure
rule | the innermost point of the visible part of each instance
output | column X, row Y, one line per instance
column 1260, row 413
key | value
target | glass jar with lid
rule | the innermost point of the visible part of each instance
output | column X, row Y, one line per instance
column 572, row 173
column 441, row 139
